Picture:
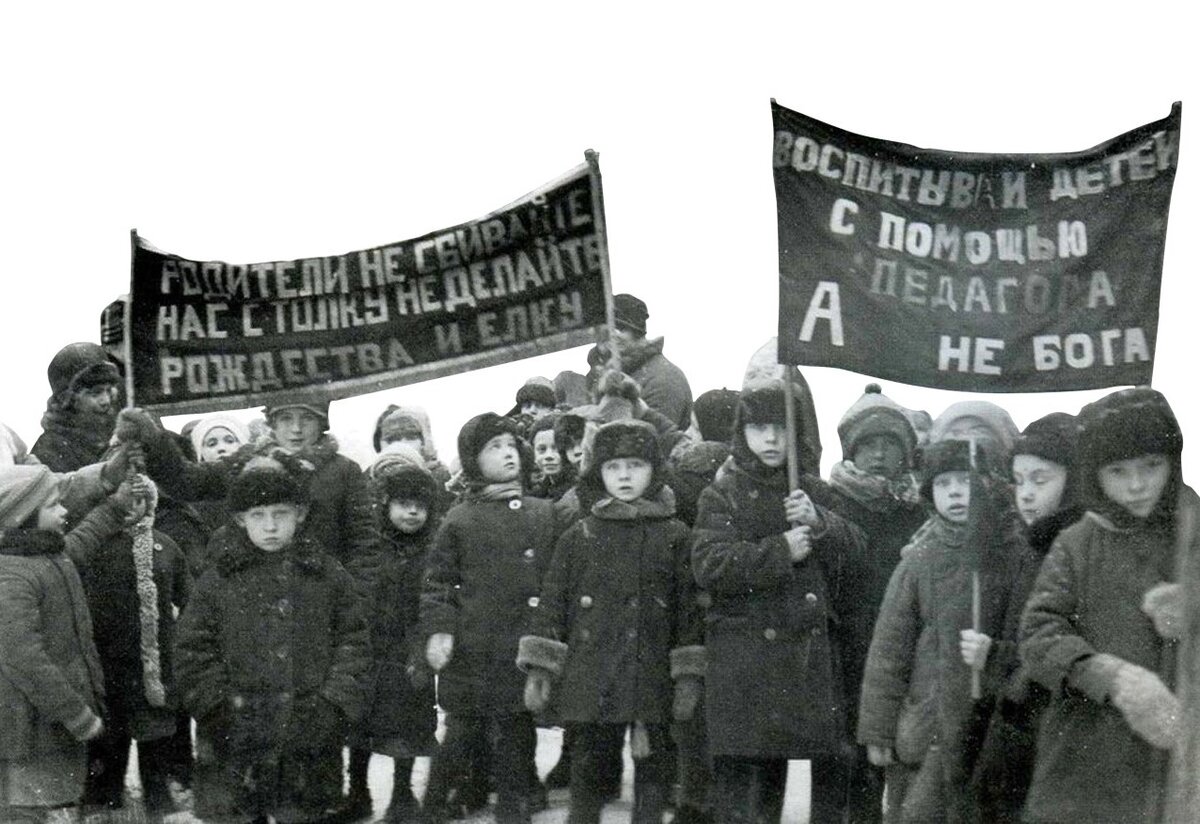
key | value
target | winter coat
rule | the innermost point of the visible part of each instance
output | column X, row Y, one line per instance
column 263, row 633
column 693, row 470
column 51, row 683
column 109, row 579
column 916, row 696
column 71, row 440
column 481, row 585
column 401, row 718
column 1091, row 766
column 774, row 682
column 663, row 384
column 620, row 599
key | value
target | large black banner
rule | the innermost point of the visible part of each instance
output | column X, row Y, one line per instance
column 525, row 280
column 976, row 272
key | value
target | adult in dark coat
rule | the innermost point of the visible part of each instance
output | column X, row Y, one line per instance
column 82, row 408
column 774, row 682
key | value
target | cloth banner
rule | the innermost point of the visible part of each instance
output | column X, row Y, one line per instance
column 973, row 272
column 528, row 279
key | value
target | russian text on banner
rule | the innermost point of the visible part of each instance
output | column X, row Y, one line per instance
column 526, row 280
column 974, row 272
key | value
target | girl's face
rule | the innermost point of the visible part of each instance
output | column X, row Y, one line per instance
column 218, row 443
column 1136, row 483
column 500, row 460
column 768, row 442
column 414, row 442
column 545, row 453
column 1039, row 485
column 880, row 455
column 296, row 428
column 407, row 515
column 952, row 495
column 626, row 479
column 52, row 515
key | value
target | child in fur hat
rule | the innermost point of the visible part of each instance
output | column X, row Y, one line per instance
column 1100, row 630
column 81, row 411
column 50, row 679
column 776, row 567
column 916, row 715
column 617, row 623
column 271, row 659
column 481, row 585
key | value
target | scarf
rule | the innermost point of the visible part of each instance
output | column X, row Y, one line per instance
column 876, row 493
column 142, row 533
column 88, row 434
column 482, row 493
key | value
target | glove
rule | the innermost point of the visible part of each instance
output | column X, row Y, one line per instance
column 1164, row 604
column 687, row 695
column 537, row 689
column 136, row 426
column 1150, row 709
column 439, row 649
column 880, row 756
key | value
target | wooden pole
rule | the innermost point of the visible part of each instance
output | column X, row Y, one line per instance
column 976, row 589
column 127, row 323
column 789, row 411
column 593, row 161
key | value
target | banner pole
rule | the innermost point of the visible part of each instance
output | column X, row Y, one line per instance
column 593, row 161
column 976, row 593
column 789, row 412
column 127, row 322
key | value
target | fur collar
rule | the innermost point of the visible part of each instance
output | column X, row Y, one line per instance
column 636, row 353
column 661, row 506
column 241, row 554
column 30, row 542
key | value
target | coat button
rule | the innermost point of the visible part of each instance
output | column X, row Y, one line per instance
column 514, row 504
column 281, row 653
column 533, row 601
column 633, row 601
column 632, row 633
column 811, row 597
column 585, row 601
column 769, row 634
column 528, row 554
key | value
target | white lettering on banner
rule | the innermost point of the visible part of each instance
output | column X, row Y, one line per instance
column 1157, row 154
column 970, row 354
column 826, row 304
column 945, row 242
column 1078, row 349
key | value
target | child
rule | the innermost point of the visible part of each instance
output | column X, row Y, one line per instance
column 271, row 658
column 774, row 565
column 556, row 473
column 481, row 585
column 617, row 622
column 1100, row 627
column 400, row 719
column 218, row 436
column 916, row 710
column 82, row 408
column 50, row 678
column 535, row 399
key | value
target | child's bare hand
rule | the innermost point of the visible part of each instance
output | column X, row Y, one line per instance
column 439, row 649
column 1164, row 604
column 975, row 647
column 880, row 756
column 799, row 541
column 798, row 508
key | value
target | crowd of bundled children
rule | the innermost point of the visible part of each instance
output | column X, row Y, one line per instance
column 964, row 623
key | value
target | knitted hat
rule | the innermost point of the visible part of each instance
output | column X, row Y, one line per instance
column 477, row 432
column 630, row 313
column 537, row 390
column 400, row 424
column 79, row 366
column 205, row 425
column 714, row 414
column 264, row 486
column 23, row 491
column 317, row 406
column 998, row 422
column 947, row 456
column 875, row 414
column 1051, row 437
column 395, row 456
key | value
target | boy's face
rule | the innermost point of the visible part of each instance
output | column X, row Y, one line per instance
column 1137, row 483
column 535, row 410
column 271, row 527
column 545, row 453
column 1038, row 485
column 952, row 495
column 413, row 442
column 96, row 400
column 52, row 515
column 499, row 459
column 218, row 443
column 768, row 442
column 626, row 479
column 407, row 515
column 296, row 428
column 880, row 455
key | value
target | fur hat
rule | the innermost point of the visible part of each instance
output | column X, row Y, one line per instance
column 571, row 388
column 537, row 390
column 477, row 432
column 569, row 429
column 395, row 456
column 23, row 491
column 630, row 313
column 622, row 439
column 406, row 482
column 946, row 456
column 264, row 486
column 1051, row 437
column 398, row 424
column 998, row 422
column 764, row 403
column 715, row 410
column 202, row 427
column 79, row 366
column 876, row 414
column 317, row 406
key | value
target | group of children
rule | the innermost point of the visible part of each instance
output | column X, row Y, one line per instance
column 983, row 622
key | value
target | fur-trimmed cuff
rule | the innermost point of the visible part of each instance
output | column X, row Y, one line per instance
column 688, row 661
column 536, row 651
column 84, row 725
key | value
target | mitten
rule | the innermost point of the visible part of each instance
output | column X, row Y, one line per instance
column 1164, row 604
column 136, row 426
column 87, row 726
column 537, row 689
column 439, row 649
column 687, row 695
column 1149, row 707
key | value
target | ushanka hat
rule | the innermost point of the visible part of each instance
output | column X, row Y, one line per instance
column 407, row 482
column 23, row 491
column 1051, row 437
column 264, row 486
column 948, row 456
column 876, row 414
column 537, row 390
column 714, row 412
column 80, row 366
column 477, row 432
column 623, row 439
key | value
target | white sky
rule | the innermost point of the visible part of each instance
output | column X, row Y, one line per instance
column 248, row 132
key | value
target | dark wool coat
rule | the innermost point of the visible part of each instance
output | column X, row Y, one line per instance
column 71, row 440
column 50, row 673
column 774, row 682
column 1091, row 766
column 916, row 695
column 262, row 632
column 620, row 594
column 664, row 386
column 691, row 472
column 481, row 585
